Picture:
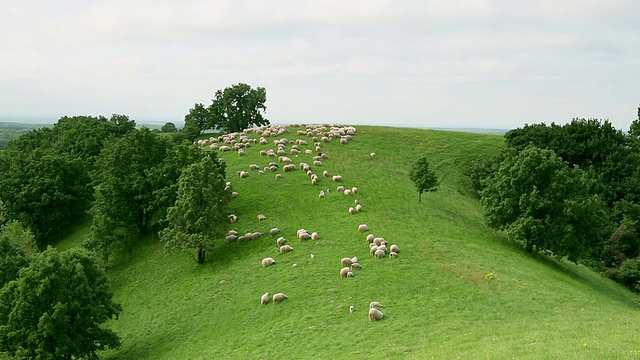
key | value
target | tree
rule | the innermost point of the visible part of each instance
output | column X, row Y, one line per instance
column 424, row 178
column 200, row 213
column 238, row 107
column 196, row 121
column 55, row 308
column 538, row 199
column 169, row 128
column 17, row 247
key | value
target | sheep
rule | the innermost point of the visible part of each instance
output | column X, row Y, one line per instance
column 322, row 194
column 285, row 249
column 347, row 192
column 264, row 300
column 375, row 314
column 317, row 163
column 312, row 256
column 340, row 188
column 268, row 261
column 343, row 272
column 363, row 227
column 379, row 254
column 243, row 174
column 354, row 259
column 352, row 210
column 373, row 249
column 314, row 236
column 280, row 241
column 241, row 153
column 382, row 247
column 350, row 274
column 274, row 231
column 279, row 297
column 359, row 208
column 345, row 261
column 232, row 232
column 234, row 194
column 325, row 173
column 233, row 218
column 336, row 178
column 375, row 304
column 261, row 217
column 256, row 235
column 303, row 235
column 370, row 238
column 254, row 167
column 278, row 176
column 393, row 248
column 351, row 308
column 372, row 155
column 231, row 238
column 393, row 254
column 354, row 190
column 356, row 266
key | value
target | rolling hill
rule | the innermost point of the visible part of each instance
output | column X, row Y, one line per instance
column 457, row 289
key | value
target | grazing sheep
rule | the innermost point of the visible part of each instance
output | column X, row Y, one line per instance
column 303, row 235
column 295, row 264
column 232, row 232
column 241, row 153
column 256, row 235
column 336, row 178
column 231, row 238
column 359, row 208
column 363, row 227
column 340, row 188
column 375, row 304
column 354, row 259
column 345, row 261
column 317, row 163
column 352, row 210
column 274, row 231
column 378, row 241
column 233, row 218
column 379, row 254
column 280, row 241
column 314, row 236
column 234, row 194
column 262, row 217
column 325, row 173
column 286, row 248
column 351, row 308
column 254, row 167
column 278, row 176
column 354, row 190
column 373, row 249
column 322, row 194
column 382, row 247
column 312, row 256
column 375, row 314
column 344, row 271
column 350, row 274
column 356, row 266
column 370, row 238
column 264, row 300
column 393, row 248
column 347, row 192
column 279, row 297
column 393, row 254
column 372, row 155
column 268, row 261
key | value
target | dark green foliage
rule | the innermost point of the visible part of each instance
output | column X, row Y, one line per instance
column 196, row 121
column 627, row 274
column 54, row 309
column 169, row 128
column 423, row 177
column 136, row 181
column 542, row 202
column 200, row 214
column 17, row 247
column 238, row 107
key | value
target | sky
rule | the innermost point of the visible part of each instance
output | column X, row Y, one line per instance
column 427, row 63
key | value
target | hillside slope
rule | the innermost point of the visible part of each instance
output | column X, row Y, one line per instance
column 457, row 289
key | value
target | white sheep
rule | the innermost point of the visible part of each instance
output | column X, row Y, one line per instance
column 352, row 210
column 344, row 271
column 322, row 194
column 354, row 190
column 354, row 259
column 279, row 297
column 382, row 247
column 375, row 304
column 351, row 308
column 233, row 218
column 314, row 236
column 393, row 254
column 347, row 192
column 280, row 241
column 356, row 266
column 261, row 217
column 372, row 155
column 375, row 314
column 264, row 300
column 345, row 261
column 359, row 208
column 231, row 238
column 393, row 248
column 370, row 238
column 363, row 227
column 274, row 231
column 285, row 249
column 325, row 173
column 268, row 261
column 336, row 178
column 350, row 274
column 278, row 176
column 373, row 249
column 379, row 254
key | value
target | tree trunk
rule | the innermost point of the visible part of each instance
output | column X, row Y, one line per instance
column 420, row 196
column 201, row 255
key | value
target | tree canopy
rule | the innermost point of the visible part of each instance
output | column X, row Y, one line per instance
column 200, row 214
column 55, row 308
column 423, row 177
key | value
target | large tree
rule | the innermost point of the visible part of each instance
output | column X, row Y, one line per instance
column 539, row 200
column 238, row 107
column 196, row 121
column 423, row 177
column 17, row 248
column 200, row 214
column 55, row 308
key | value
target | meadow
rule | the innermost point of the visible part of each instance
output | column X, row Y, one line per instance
column 457, row 289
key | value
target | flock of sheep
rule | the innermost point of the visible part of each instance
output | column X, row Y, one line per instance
column 319, row 134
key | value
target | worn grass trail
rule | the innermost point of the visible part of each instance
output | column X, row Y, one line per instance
column 457, row 289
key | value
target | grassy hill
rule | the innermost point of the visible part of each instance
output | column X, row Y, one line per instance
column 457, row 290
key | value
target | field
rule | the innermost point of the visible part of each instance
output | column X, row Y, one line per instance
column 457, row 289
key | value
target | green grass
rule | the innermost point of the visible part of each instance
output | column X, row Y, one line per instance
column 439, row 300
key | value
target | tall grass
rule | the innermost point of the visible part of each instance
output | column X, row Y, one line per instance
column 457, row 290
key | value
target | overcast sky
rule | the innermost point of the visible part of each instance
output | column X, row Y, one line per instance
column 480, row 63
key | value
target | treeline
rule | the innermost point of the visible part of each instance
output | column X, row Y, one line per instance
column 570, row 191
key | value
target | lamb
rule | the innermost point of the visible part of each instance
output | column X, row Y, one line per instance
column 279, row 297
column 375, row 314
column 346, row 261
column 356, row 266
column 264, row 300
column 285, row 249
column 379, row 254
column 280, row 241
column 350, row 274
column 314, row 236
column 344, row 271
column 393, row 254
column 261, row 217
column 268, row 261
column 375, row 304
column 274, row 231
column 363, row 227
column 393, row 248
column 359, row 208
